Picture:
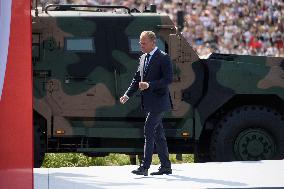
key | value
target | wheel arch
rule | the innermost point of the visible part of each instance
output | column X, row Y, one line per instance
column 268, row 100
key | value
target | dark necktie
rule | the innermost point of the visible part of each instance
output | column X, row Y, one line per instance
column 146, row 62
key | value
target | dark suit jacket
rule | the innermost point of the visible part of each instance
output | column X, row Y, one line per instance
column 159, row 75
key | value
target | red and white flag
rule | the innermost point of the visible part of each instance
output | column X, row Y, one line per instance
column 16, row 138
column 5, row 20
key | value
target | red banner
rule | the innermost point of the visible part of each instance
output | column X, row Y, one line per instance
column 16, row 138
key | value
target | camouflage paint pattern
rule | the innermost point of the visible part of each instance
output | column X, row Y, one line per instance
column 230, row 75
column 84, row 86
column 78, row 91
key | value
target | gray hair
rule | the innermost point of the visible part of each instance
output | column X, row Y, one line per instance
column 150, row 34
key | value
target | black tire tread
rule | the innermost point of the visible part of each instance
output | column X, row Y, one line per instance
column 249, row 110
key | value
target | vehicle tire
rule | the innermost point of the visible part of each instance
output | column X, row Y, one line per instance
column 248, row 133
column 39, row 146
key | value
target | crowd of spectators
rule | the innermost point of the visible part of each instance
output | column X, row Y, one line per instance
column 253, row 27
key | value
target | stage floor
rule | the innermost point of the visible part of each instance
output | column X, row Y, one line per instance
column 264, row 174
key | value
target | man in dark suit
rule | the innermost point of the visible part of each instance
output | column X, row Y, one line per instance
column 153, row 77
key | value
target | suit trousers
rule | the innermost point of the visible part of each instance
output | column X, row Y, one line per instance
column 154, row 135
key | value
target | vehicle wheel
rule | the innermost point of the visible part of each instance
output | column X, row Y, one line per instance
column 39, row 146
column 248, row 133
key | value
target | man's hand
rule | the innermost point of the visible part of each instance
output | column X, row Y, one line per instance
column 143, row 85
column 123, row 99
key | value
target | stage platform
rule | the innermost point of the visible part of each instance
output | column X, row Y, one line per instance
column 257, row 174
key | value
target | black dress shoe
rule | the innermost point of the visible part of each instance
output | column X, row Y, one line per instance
column 163, row 170
column 140, row 171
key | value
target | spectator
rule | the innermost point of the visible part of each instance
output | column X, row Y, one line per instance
column 227, row 26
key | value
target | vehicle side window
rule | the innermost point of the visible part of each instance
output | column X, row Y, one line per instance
column 134, row 46
column 80, row 44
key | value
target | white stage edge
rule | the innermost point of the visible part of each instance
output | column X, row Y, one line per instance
column 191, row 175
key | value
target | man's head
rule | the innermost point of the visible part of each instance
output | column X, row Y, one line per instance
column 147, row 41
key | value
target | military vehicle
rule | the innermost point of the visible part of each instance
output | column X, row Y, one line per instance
column 227, row 107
